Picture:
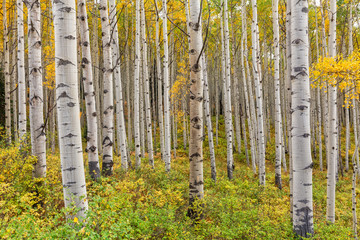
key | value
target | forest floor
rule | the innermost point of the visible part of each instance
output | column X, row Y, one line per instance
column 151, row 204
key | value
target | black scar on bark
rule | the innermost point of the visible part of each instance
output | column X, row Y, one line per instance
column 305, row 9
column 70, row 145
column 64, row 62
column 94, row 114
column 65, row 9
column 69, row 169
column 195, row 155
column 70, row 135
column 305, row 135
column 61, row 85
column 310, row 166
column 92, row 148
column 302, row 107
column 64, row 95
column 71, row 104
column 70, row 37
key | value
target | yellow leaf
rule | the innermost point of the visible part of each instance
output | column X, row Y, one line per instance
column 76, row 220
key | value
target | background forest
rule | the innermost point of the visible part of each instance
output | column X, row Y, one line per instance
column 180, row 119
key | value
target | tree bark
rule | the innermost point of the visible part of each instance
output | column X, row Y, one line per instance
column 196, row 185
column 72, row 166
column 89, row 93
column 300, row 114
column 37, row 127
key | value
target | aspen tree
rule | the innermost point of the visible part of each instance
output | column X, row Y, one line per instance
column 36, row 100
column 21, row 72
column 160, row 85
column 7, row 75
column 167, row 127
column 208, row 118
column 146, row 88
column 227, row 92
column 278, row 120
column 258, row 92
column 250, row 109
column 137, row 88
column 196, row 185
column 333, row 127
column 89, row 93
column 108, row 105
column 300, row 121
column 72, row 166
column 120, row 120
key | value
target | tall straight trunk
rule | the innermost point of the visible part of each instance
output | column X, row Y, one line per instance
column 137, row 88
column 120, row 120
column 72, row 166
column 21, row 70
column 14, row 99
column 167, row 132
column 89, row 93
column 258, row 93
column 300, row 122
column 146, row 88
column 227, row 93
column 37, row 127
column 278, row 120
column 108, row 104
column 196, row 184
column 249, row 102
column 288, row 86
column 7, row 75
column 97, row 88
column 333, row 127
column 208, row 119
column 353, row 191
column 160, row 87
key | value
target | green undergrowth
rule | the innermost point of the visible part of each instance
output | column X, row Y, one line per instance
column 151, row 204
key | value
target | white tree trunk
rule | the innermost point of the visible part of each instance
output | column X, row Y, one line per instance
column 72, row 166
column 137, row 88
column 160, row 86
column 167, row 138
column 258, row 93
column 22, row 89
column 196, row 184
column 120, row 120
column 108, row 99
column 208, row 119
column 300, row 114
column 89, row 93
column 278, row 120
column 333, row 127
column 227, row 93
column 146, row 88
column 6, row 49
column 37, row 127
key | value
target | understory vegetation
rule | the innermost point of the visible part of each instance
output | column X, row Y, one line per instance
column 151, row 204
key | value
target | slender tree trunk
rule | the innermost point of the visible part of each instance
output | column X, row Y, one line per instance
column 278, row 120
column 333, row 127
column 120, row 120
column 6, row 47
column 21, row 71
column 147, row 89
column 196, row 184
column 137, row 89
column 167, row 133
column 108, row 118
column 227, row 93
column 37, row 127
column 208, row 119
column 300, row 114
column 72, row 166
column 258, row 93
column 89, row 93
column 160, row 87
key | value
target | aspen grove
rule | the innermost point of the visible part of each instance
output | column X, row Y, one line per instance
column 179, row 119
